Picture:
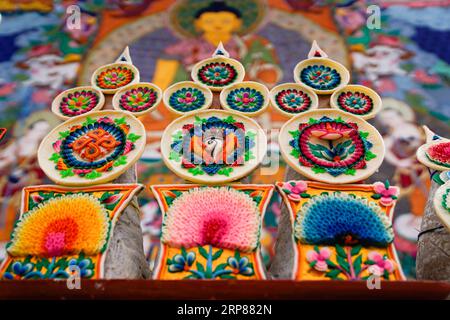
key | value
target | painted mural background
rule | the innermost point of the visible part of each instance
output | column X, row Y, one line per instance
column 406, row 61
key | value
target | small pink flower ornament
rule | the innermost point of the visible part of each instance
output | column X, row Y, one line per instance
column 386, row 193
column 379, row 264
column 317, row 258
column 296, row 190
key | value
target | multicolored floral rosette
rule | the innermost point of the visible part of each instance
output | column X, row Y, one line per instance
column 249, row 98
column 291, row 99
column 218, row 71
column 114, row 76
column 77, row 101
column 211, row 232
column 186, row 97
column 92, row 149
column 341, row 232
column 332, row 146
column 138, row 98
column 213, row 146
column 320, row 73
column 357, row 100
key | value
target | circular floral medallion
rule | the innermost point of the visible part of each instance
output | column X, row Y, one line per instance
column 323, row 75
column 291, row 99
column 435, row 155
column 213, row 146
column 247, row 97
column 138, row 98
column 357, row 100
column 441, row 203
column 77, row 101
column 320, row 77
column 92, row 149
column 187, row 96
column 112, row 77
column 218, row 72
column 331, row 146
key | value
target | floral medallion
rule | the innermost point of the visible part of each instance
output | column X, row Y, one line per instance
column 358, row 100
column 250, row 98
column 77, row 101
column 213, row 146
column 138, row 98
column 322, row 75
column 334, row 147
column 112, row 77
column 342, row 232
column 62, row 227
column 214, row 239
column 187, row 96
column 92, row 149
column 218, row 72
column 441, row 204
column 291, row 99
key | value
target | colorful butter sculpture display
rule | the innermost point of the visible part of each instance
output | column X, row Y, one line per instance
column 62, row 230
column 342, row 232
column 213, row 146
column 211, row 232
column 92, row 149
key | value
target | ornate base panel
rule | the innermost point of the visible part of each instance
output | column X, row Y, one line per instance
column 342, row 232
column 62, row 230
column 211, row 232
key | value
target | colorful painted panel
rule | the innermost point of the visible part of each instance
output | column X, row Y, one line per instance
column 61, row 228
column 342, row 232
column 92, row 149
column 211, row 232
column 213, row 146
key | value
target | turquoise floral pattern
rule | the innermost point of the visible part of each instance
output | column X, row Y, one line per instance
column 293, row 101
column 217, row 74
column 245, row 100
column 320, row 77
column 187, row 99
column 355, row 102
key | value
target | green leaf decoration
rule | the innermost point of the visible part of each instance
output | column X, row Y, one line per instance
column 66, row 173
column 376, row 196
column 64, row 134
column 350, row 172
column 312, row 121
column 370, row 155
column 249, row 155
column 317, row 170
column 178, row 135
column 355, row 250
column 133, row 137
column 217, row 254
column 229, row 119
column 305, row 195
column 331, row 263
column 340, row 251
column 195, row 171
column 200, row 267
column 343, row 263
column 93, row 175
column 55, row 157
column 203, row 252
column 225, row 171
column 295, row 134
column 333, row 274
column 89, row 121
column 357, row 265
column 363, row 134
column 226, row 276
column 175, row 156
column 120, row 161
column 220, row 267
column 295, row 153
column 120, row 121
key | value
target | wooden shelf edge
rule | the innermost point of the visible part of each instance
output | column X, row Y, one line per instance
column 229, row 289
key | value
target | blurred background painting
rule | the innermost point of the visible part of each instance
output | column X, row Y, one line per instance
column 406, row 60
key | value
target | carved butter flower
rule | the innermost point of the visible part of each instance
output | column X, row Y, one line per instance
column 295, row 190
column 317, row 258
column 386, row 193
column 379, row 264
